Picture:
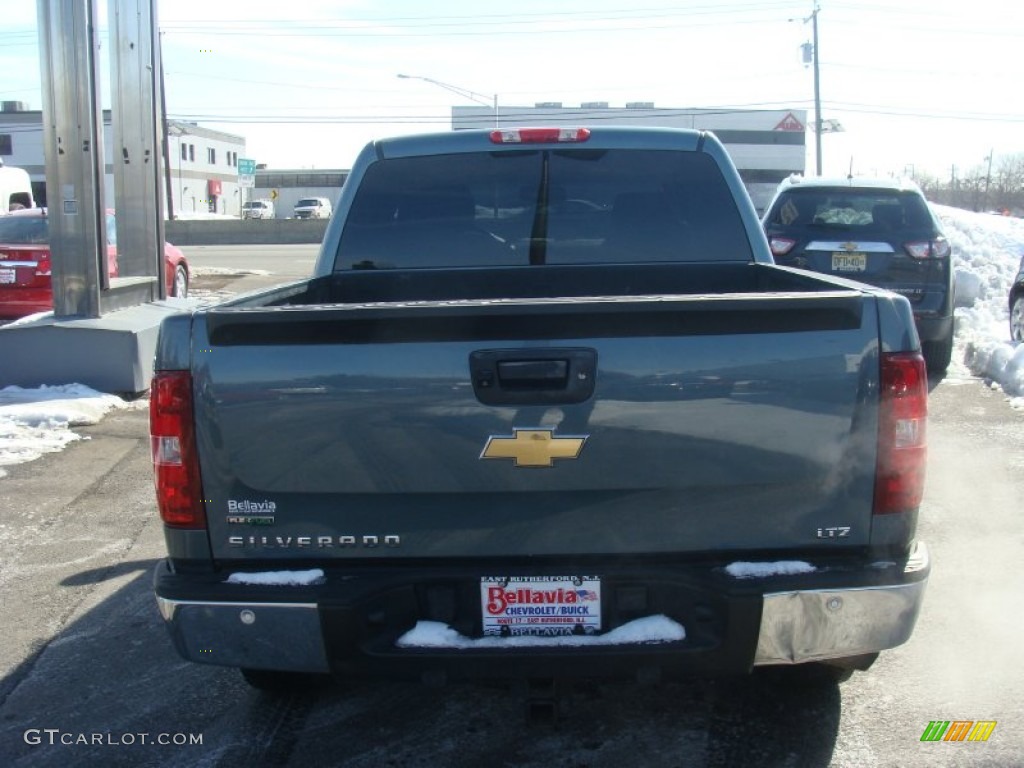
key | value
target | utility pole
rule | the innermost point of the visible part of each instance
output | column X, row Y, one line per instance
column 817, row 91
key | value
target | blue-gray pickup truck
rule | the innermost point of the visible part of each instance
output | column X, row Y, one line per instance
column 546, row 408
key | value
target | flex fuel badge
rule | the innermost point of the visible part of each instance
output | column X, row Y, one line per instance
column 247, row 512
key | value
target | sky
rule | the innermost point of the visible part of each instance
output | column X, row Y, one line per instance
column 918, row 86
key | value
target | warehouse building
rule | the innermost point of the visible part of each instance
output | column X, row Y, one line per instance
column 202, row 175
column 766, row 145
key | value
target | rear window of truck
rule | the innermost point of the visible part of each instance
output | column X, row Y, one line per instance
column 566, row 206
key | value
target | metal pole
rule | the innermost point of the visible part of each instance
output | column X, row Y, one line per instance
column 817, row 93
column 167, row 143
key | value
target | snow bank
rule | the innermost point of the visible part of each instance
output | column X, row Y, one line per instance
column 987, row 250
column 38, row 421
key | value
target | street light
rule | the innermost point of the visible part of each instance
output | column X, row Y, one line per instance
column 465, row 93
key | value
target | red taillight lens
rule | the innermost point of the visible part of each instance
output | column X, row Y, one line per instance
column 781, row 245
column 929, row 249
column 175, row 462
column 43, row 266
column 540, row 135
column 902, row 421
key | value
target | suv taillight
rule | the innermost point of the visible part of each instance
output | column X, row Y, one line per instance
column 902, row 421
column 929, row 249
column 175, row 461
column 781, row 245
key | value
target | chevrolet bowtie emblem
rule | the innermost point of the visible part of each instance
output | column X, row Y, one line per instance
column 850, row 246
column 533, row 447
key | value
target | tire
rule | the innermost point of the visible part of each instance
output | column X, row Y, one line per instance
column 180, row 287
column 277, row 682
column 938, row 354
column 1017, row 319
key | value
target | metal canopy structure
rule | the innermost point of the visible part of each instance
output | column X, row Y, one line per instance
column 75, row 162
column 103, row 331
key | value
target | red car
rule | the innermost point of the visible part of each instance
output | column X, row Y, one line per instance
column 25, row 263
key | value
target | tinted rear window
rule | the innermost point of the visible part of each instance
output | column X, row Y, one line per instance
column 856, row 209
column 24, row 230
column 572, row 206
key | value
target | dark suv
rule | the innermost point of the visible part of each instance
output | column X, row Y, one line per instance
column 877, row 231
column 1017, row 305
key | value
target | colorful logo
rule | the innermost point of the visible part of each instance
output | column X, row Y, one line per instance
column 958, row 730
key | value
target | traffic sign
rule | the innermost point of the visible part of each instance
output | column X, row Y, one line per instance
column 246, row 180
column 246, row 167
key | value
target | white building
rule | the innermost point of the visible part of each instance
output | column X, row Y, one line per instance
column 766, row 145
column 202, row 175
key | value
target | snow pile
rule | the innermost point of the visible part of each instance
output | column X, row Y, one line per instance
column 987, row 250
column 38, row 421
column 279, row 578
column 652, row 629
column 227, row 271
column 764, row 570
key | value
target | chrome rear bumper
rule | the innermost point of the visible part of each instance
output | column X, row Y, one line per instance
column 817, row 625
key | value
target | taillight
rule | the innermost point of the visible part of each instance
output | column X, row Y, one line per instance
column 781, row 245
column 929, row 249
column 175, row 461
column 902, row 419
column 540, row 135
column 43, row 266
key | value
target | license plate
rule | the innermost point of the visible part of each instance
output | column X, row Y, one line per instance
column 849, row 262
column 7, row 277
column 545, row 606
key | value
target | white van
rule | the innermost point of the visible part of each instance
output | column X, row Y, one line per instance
column 15, row 189
column 313, row 208
column 258, row 209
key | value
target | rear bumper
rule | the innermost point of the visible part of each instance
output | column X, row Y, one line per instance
column 817, row 625
column 350, row 625
column 20, row 302
column 932, row 327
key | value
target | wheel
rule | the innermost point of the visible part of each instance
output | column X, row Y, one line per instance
column 938, row 354
column 1017, row 319
column 180, row 287
column 278, row 682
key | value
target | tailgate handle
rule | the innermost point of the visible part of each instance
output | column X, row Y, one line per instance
column 533, row 376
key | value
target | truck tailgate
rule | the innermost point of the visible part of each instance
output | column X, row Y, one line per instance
column 647, row 424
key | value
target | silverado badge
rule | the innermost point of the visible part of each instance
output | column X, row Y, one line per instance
column 534, row 447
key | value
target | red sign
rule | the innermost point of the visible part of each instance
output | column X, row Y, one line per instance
column 790, row 123
column 213, row 187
